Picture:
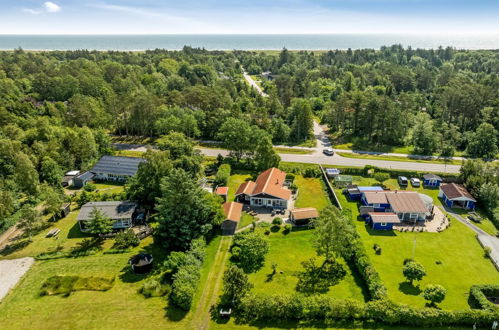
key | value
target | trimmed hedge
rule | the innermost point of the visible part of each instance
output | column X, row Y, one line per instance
column 370, row 275
column 479, row 293
column 324, row 308
column 188, row 274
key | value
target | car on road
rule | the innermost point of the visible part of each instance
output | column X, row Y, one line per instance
column 402, row 180
column 415, row 182
column 473, row 216
column 328, row 152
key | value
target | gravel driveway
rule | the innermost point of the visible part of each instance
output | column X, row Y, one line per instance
column 11, row 271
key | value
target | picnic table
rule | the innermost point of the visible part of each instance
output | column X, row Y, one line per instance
column 53, row 232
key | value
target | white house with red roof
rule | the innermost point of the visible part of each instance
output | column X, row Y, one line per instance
column 268, row 190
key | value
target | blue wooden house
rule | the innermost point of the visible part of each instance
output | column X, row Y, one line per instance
column 382, row 220
column 432, row 181
column 456, row 196
column 376, row 199
column 355, row 192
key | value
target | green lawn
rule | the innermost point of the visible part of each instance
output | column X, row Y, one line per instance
column 398, row 159
column 360, row 144
column 311, row 193
column 119, row 308
column 288, row 251
column 235, row 181
column 462, row 260
column 246, row 219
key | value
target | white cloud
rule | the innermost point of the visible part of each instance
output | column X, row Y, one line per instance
column 51, row 7
column 48, row 7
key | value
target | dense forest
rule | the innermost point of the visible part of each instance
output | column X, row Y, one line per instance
column 58, row 109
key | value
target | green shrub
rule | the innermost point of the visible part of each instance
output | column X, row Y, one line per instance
column 434, row 293
column 66, row 284
column 312, row 172
column 277, row 221
column 155, row 287
column 287, row 228
column 125, row 240
column 90, row 187
column 223, row 174
column 479, row 293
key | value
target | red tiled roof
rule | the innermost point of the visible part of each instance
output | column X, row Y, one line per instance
column 452, row 190
column 222, row 190
column 232, row 211
column 305, row 213
column 271, row 182
column 246, row 188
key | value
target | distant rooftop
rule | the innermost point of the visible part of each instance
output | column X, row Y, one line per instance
column 118, row 165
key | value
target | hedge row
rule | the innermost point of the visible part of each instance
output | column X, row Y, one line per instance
column 325, row 308
column 479, row 293
column 370, row 275
column 187, row 275
column 451, row 177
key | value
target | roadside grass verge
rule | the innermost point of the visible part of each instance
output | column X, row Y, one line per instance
column 399, row 159
column 283, row 150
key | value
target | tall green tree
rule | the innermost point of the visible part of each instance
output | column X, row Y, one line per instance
column 301, row 119
column 99, row 223
column 483, row 143
column 185, row 211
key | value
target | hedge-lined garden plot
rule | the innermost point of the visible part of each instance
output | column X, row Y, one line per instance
column 452, row 258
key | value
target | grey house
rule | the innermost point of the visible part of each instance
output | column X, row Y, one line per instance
column 82, row 179
column 122, row 213
column 116, row 168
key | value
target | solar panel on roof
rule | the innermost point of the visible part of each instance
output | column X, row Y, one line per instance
column 118, row 165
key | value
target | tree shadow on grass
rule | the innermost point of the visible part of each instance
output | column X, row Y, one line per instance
column 409, row 289
column 75, row 232
column 173, row 313
column 359, row 281
column 14, row 247
column 373, row 232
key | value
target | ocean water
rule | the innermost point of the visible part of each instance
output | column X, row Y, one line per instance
column 243, row 42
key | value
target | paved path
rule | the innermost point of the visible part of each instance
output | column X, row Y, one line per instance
column 253, row 84
column 484, row 238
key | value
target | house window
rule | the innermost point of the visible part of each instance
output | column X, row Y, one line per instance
column 383, row 224
column 376, row 205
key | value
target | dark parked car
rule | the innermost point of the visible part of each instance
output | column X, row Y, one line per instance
column 473, row 216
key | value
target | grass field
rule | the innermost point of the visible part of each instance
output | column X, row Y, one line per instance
column 399, row 159
column 462, row 259
column 235, row 181
column 366, row 146
column 284, row 150
column 121, row 307
column 288, row 251
column 129, row 153
column 311, row 193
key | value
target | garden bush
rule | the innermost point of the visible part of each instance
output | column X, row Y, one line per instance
column 277, row 221
column 287, row 228
column 90, row 187
column 223, row 174
column 253, row 248
column 125, row 240
column 187, row 266
column 155, row 287
column 479, row 293
column 312, row 172
column 324, row 308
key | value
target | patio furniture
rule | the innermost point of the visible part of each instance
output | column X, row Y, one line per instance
column 53, row 232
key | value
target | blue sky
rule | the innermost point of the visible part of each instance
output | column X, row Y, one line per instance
column 255, row 16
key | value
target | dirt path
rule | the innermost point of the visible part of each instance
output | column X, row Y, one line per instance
column 201, row 319
column 9, row 236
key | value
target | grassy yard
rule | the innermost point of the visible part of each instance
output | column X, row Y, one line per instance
column 246, row 219
column 311, row 193
column 120, row 307
column 235, row 181
column 399, row 159
column 284, row 150
column 461, row 258
column 288, row 251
